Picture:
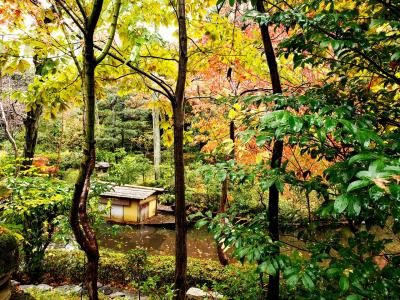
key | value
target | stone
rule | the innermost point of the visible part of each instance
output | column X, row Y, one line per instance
column 64, row 289
column 198, row 294
column 99, row 285
column 76, row 290
column 215, row 295
column 70, row 247
column 43, row 287
column 14, row 283
column 106, row 290
column 116, row 295
column 25, row 287
column 195, row 294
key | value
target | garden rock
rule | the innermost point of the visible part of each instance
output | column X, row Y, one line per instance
column 14, row 283
column 116, row 295
column 25, row 287
column 68, row 289
column 76, row 290
column 195, row 293
column 43, row 287
column 106, row 290
column 198, row 294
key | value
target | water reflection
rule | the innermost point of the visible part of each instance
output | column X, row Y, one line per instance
column 160, row 241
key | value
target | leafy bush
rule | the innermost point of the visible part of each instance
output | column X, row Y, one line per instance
column 114, row 268
column 70, row 160
column 130, row 169
column 36, row 207
column 8, row 251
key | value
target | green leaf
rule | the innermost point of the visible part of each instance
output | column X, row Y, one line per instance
column 357, row 207
column 341, row 203
column 362, row 157
column 231, row 2
column 344, row 283
column 292, row 280
column 354, row 297
column 307, row 282
column 261, row 139
column 332, row 272
column 201, row 223
column 358, row 184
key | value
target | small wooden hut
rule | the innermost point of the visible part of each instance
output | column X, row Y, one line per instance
column 130, row 203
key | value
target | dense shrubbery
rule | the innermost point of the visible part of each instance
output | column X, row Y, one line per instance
column 8, row 250
column 62, row 264
column 114, row 269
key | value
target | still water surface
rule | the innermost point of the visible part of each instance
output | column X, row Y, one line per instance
column 160, row 241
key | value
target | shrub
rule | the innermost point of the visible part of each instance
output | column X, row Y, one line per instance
column 8, row 251
column 114, row 268
column 35, row 208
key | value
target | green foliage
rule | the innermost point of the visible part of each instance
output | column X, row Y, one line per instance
column 130, row 169
column 114, row 268
column 8, row 250
column 36, row 205
column 122, row 126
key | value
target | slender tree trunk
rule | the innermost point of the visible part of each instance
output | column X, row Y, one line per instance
column 79, row 220
column 180, row 209
column 31, row 124
column 80, row 223
column 178, row 110
column 156, row 142
column 277, row 151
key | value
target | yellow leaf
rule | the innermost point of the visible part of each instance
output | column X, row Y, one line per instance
column 232, row 114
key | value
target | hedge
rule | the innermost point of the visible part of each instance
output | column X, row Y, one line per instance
column 8, row 251
column 63, row 265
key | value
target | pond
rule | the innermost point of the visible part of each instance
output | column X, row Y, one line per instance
column 200, row 243
column 160, row 241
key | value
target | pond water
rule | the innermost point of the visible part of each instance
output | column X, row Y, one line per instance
column 160, row 241
column 200, row 243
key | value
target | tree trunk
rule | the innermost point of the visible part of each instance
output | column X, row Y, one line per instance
column 31, row 124
column 79, row 220
column 277, row 152
column 156, row 142
column 180, row 208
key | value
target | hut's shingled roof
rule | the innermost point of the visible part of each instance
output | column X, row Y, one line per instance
column 131, row 192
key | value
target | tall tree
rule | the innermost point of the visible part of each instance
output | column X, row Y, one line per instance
column 179, row 115
column 277, row 152
column 79, row 220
